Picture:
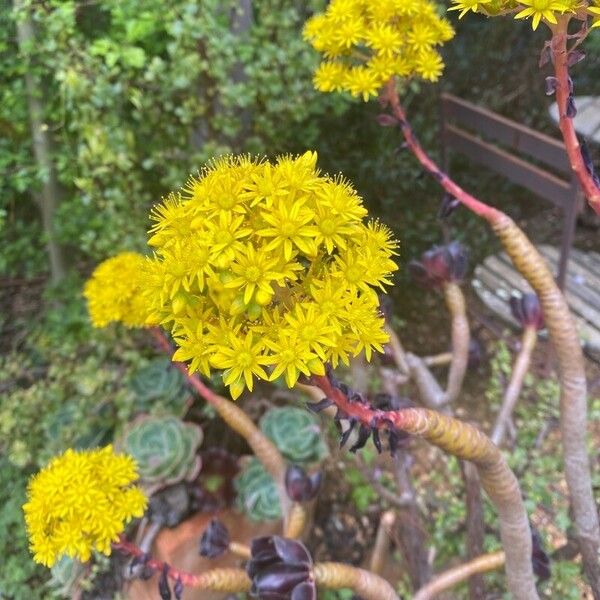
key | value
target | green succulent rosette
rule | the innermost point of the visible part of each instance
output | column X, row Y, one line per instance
column 158, row 386
column 165, row 449
column 257, row 494
column 296, row 433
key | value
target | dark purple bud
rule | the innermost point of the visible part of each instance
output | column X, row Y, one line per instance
column 448, row 205
column 570, row 84
column 280, row 569
column 364, row 433
column 386, row 120
column 387, row 402
column 215, row 540
column 551, row 85
column 440, row 265
column 527, row 311
column 571, row 111
column 539, row 559
column 574, row 57
column 301, row 487
column 178, row 589
column 317, row 407
column 292, row 552
column 304, row 591
column 163, row 584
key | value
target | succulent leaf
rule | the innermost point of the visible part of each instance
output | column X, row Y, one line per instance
column 165, row 449
column 158, row 387
column 296, row 433
column 257, row 494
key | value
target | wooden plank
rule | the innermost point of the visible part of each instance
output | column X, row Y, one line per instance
column 580, row 280
column 589, row 334
column 513, row 279
column 541, row 183
column 577, row 275
column 590, row 259
column 506, row 131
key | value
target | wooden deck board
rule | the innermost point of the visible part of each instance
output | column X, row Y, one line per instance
column 496, row 280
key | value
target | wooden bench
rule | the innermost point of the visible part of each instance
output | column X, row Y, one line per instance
column 522, row 155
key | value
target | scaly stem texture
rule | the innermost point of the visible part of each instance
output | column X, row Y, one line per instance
column 337, row 576
column 236, row 418
column 455, row 301
column 217, row 580
column 563, row 334
column 520, row 369
column 560, row 58
column 468, row 443
column 452, row 577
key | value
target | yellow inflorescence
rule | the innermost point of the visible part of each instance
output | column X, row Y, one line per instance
column 113, row 292
column 539, row 10
column 365, row 42
column 266, row 269
column 80, row 502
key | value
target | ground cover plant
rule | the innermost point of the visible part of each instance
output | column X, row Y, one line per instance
column 253, row 345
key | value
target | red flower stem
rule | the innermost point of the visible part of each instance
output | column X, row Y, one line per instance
column 479, row 208
column 218, row 580
column 560, row 56
column 468, row 443
column 238, row 420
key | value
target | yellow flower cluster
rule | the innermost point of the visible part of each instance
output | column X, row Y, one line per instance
column 113, row 292
column 261, row 264
column 80, row 502
column 365, row 42
column 539, row 10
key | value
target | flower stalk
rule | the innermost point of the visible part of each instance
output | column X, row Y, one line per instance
column 455, row 301
column 367, row 585
column 560, row 58
column 563, row 334
column 511, row 395
column 236, row 418
column 217, row 580
column 468, row 443
column 456, row 575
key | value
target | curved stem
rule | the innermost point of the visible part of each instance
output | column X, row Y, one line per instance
column 430, row 391
column 381, row 548
column 236, row 418
column 564, row 337
column 438, row 360
column 452, row 577
column 511, row 395
column 468, row 443
column 296, row 522
column 455, row 301
column 367, row 585
column 560, row 55
column 217, row 580
column 240, row 550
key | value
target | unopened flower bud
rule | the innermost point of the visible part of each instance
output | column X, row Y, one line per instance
column 280, row 568
column 215, row 540
column 440, row 265
column 527, row 311
column 301, row 487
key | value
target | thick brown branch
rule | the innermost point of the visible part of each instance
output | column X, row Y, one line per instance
column 455, row 301
column 468, row 443
column 367, row 585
